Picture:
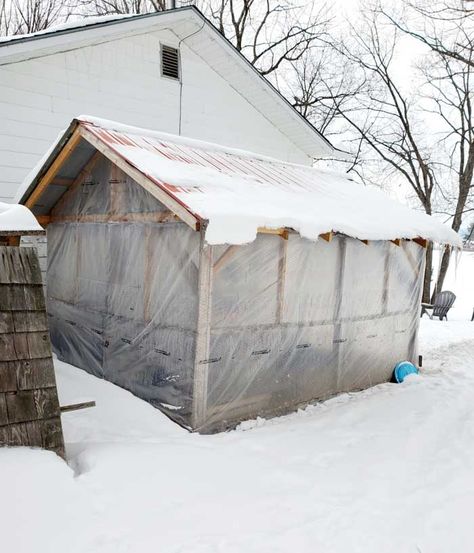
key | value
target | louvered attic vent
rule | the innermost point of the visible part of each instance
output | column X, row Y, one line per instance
column 169, row 62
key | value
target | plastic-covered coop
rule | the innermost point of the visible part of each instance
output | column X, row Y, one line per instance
column 216, row 333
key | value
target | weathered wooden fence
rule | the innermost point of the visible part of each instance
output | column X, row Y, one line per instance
column 29, row 407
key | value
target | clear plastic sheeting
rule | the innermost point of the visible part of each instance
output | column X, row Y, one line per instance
column 294, row 320
column 213, row 335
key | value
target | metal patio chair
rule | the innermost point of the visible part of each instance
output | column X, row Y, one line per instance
column 442, row 304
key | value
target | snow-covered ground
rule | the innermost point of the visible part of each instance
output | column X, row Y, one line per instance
column 387, row 469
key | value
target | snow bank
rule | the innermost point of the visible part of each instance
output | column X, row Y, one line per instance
column 238, row 192
column 388, row 469
column 14, row 217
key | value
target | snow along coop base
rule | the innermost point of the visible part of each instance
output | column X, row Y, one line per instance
column 220, row 285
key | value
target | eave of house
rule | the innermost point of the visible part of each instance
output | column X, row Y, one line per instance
column 193, row 29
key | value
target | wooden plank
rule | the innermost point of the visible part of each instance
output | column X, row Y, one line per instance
column 396, row 241
column 35, row 373
column 25, row 434
column 155, row 217
column 77, row 182
column 200, row 376
column 34, row 297
column 46, row 402
column 115, row 189
column 19, row 266
column 51, row 435
column 13, row 241
column 6, row 321
column 8, row 381
column 4, row 432
column 7, row 347
column 77, row 406
column 326, row 236
column 148, row 273
column 421, row 242
column 4, row 234
column 30, row 321
column 224, row 258
column 282, row 263
column 3, row 410
column 53, row 169
column 162, row 196
column 39, row 345
column 282, row 231
column 386, row 279
column 43, row 220
column 21, row 406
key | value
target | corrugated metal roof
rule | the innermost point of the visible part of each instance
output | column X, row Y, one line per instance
column 239, row 192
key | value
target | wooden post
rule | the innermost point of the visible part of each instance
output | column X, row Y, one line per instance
column 148, row 272
column 201, row 357
column 413, row 351
column 339, row 286
column 386, row 278
column 281, row 280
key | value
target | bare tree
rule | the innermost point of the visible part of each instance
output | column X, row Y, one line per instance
column 29, row 16
column 447, row 28
column 383, row 119
column 111, row 7
column 270, row 33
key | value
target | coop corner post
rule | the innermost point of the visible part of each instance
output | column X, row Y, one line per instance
column 201, row 367
column 414, row 344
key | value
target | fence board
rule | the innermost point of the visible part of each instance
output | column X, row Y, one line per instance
column 29, row 406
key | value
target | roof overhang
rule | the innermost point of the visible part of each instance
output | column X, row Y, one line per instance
column 192, row 28
column 239, row 194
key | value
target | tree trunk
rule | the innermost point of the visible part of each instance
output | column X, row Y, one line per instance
column 442, row 271
column 428, row 273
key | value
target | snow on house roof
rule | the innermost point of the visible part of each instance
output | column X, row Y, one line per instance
column 239, row 192
column 17, row 218
column 194, row 30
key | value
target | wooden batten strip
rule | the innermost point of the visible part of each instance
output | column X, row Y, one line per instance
column 282, row 231
column 13, row 240
column 397, row 241
column 157, row 217
column 229, row 252
column 326, row 236
column 43, row 220
column 421, row 241
column 141, row 179
column 78, row 180
column 48, row 177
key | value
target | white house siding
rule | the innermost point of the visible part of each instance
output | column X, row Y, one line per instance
column 121, row 80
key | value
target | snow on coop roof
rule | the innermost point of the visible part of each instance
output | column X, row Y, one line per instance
column 192, row 29
column 238, row 193
column 16, row 218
